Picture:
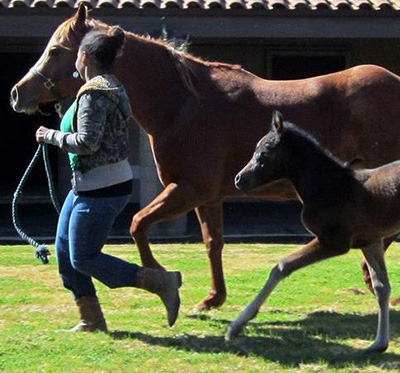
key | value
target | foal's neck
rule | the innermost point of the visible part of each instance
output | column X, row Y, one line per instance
column 315, row 173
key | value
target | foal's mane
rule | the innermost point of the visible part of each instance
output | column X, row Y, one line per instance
column 297, row 133
column 186, row 64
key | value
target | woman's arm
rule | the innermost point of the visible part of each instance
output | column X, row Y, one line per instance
column 91, row 118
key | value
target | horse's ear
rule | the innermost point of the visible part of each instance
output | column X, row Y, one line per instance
column 80, row 15
column 277, row 121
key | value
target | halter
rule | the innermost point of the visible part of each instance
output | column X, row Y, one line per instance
column 50, row 85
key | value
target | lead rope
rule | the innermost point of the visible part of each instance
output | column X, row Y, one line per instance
column 41, row 252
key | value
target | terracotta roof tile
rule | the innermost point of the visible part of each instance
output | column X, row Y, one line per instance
column 298, row 4
column 360, row 4
column 256, row 4
column 128, row 4
column 170, row 4
column 381, row 4
column 340, row 4
column 384, row 4
column 214, row 4
column 211, row 4
column 20, row 3
column 107, row 4
column 235, row 4
column 149, row 4
column 43, row 3
column 193, row 4
column 278, row 4
column 319, row 4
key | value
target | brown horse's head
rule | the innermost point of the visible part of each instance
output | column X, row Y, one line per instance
column 266, row 164
column 51, row 78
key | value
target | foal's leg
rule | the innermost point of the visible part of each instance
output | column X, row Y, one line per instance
column 210, row 219
column 174, row 200
column 374, row 255
column 366, row 275
column 313, row 252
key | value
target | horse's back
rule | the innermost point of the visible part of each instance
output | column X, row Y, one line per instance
column 381, row 182
column 345, row 111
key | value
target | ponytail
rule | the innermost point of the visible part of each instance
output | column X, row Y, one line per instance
column 103, row 46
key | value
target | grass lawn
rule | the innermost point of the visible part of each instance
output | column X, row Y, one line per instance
column 315, row 321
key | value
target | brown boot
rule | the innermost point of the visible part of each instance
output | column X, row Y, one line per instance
column 91, row 316
column 165, row 285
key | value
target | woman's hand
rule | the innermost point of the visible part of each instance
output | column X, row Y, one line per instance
column 41, row 133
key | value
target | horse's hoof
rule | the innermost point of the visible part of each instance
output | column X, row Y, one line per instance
column 233, row 332
column 375, row 348
column 213, row 300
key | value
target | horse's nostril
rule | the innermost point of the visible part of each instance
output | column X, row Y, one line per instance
column 237, row 180
column 14, row 95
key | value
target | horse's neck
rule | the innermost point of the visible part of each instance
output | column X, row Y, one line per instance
column 313, row 173
column 152, row 83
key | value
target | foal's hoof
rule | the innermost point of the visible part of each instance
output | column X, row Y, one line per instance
column 375, row 348
column 234, row 329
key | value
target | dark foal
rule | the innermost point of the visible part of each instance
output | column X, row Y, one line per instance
column 344, row 208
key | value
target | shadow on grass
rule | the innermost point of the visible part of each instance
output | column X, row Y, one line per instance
column 334, row 325
column 289, row 343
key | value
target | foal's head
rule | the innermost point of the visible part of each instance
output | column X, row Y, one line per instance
column 267, row 163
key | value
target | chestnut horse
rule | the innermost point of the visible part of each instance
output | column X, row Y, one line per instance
column 344, row 208
column 204, row 118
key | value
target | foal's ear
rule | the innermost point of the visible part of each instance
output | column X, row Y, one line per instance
column 80, row 15
column 277, row 122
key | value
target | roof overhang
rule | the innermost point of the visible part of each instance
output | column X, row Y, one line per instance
column 216, row 23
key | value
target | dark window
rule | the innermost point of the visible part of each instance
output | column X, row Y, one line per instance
column 284, row 67
column 17, row 140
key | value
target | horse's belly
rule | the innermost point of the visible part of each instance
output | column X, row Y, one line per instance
column 376, row 228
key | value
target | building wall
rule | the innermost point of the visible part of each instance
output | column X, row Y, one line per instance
column 385, row 53
column 254, row 54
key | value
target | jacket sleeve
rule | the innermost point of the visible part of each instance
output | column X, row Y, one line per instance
column 91, row 119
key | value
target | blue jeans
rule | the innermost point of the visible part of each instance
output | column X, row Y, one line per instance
column 83, row 227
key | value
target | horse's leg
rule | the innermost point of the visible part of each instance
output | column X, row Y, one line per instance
column 366, row 275
column 313, row 252
column 173, row 201
column 374, row 255
column 210, row 219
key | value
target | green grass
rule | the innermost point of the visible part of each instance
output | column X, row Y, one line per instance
column 315, row 321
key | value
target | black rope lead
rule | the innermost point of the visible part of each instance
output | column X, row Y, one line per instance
column 41, row 252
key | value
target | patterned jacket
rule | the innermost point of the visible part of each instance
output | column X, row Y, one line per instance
column 99, row 134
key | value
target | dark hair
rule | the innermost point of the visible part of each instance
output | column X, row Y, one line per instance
column 103, row 46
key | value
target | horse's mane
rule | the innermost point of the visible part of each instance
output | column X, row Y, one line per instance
column 296, row 132
column 185, row 63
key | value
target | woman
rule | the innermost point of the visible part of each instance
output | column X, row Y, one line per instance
column 94, row 132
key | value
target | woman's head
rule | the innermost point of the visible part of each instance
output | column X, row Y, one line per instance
column 100, row 48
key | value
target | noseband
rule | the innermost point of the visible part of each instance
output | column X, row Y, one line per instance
column 48, row 83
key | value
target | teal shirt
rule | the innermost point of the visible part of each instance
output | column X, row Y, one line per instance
column 66, row 126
